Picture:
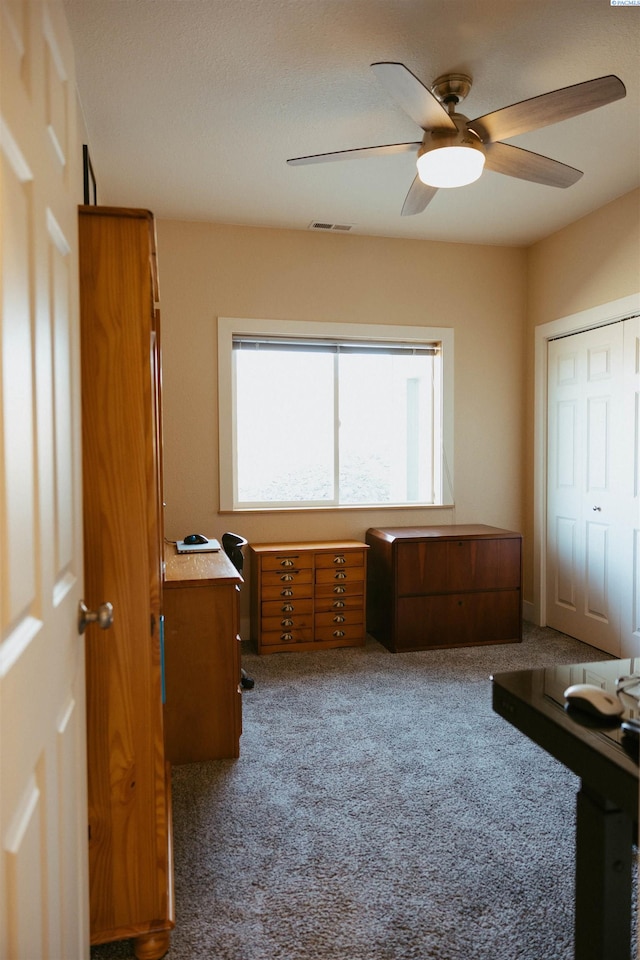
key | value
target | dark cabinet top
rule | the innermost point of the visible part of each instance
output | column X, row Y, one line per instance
column 459, row 531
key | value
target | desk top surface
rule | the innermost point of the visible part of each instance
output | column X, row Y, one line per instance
column 598, row 752
column 198, row 569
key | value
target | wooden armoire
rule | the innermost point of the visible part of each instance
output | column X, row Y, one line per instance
column 130, row 867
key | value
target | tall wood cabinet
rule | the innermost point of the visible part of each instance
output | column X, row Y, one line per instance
column 130, row 866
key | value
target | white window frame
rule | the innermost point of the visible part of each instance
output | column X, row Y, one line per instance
column 228, row 327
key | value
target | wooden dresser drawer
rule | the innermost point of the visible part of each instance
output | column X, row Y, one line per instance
column 287, row 590
column 287, row 561
column 450, row 566
column 287, row 638
column 287, row 622
column 292, row 575
column 354, row 558
column 341, row 588
column 346, row 634
column 328, row 617
column 286, row 606
column 458, row 619
column 340, row 602
column 344, row 574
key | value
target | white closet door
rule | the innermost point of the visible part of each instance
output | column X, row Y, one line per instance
column 630, row 492
column 43, row 810
column 585, row 512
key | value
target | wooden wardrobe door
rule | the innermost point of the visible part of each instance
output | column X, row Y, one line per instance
column 129, row 821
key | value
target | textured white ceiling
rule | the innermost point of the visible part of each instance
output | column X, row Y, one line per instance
column 193, row 107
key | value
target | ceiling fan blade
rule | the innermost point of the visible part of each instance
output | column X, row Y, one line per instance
column 515, row 162
column 383, row 151
column 412, row 95
column 548, row 108
column 418, row 197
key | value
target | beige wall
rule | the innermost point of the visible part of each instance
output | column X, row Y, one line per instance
column 211, row 270
column 591, row 262
column 493, row 297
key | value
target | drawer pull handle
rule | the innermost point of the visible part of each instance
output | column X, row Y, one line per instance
column 286, row 577
column 339, row 619
column 338, row 633
column 338, row 604
column 286, row 637
column 460, row 603
column 339, row 590
column 339, row 560
column 287, row 608
column 340, row 575
column 286, row 563
column 287, row 592
column 286, row 623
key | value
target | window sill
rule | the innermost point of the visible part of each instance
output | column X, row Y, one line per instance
column 341, row 508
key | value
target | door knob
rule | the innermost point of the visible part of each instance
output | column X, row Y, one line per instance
column 103, row 616
column 598, row 509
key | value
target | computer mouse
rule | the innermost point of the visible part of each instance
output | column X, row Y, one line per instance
column 594, row 700
column 196, row 538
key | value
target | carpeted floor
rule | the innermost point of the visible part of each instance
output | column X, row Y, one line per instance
column 379, row 810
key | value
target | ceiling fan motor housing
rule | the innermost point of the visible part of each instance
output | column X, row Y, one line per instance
column 460, row 137
column 451, row 88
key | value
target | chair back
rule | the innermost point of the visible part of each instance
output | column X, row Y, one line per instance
column 232, row 545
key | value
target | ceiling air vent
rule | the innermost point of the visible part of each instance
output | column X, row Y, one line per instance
column 338, row 227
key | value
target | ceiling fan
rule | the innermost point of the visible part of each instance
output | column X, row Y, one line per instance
column 455, row 150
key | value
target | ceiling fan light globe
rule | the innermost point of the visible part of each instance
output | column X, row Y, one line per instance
column 455, row 166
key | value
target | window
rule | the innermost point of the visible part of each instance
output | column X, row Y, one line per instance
column 333, row 415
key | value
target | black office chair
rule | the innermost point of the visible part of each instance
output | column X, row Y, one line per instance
column 232, row 545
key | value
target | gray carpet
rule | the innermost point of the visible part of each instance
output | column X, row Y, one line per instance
column 379, row 810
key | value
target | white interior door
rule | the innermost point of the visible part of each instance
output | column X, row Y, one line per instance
column 43, row 818
column 630, row 492
column 585, row 515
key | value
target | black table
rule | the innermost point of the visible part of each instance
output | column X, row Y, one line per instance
column 606, row 761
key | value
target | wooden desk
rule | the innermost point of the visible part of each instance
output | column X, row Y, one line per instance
column 607, row 803
column 203, row 708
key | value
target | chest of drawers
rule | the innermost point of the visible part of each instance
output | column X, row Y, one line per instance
column 308, row 595
column 444, row 586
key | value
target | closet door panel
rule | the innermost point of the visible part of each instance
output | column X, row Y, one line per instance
column 631, row 492
column 585, row 506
